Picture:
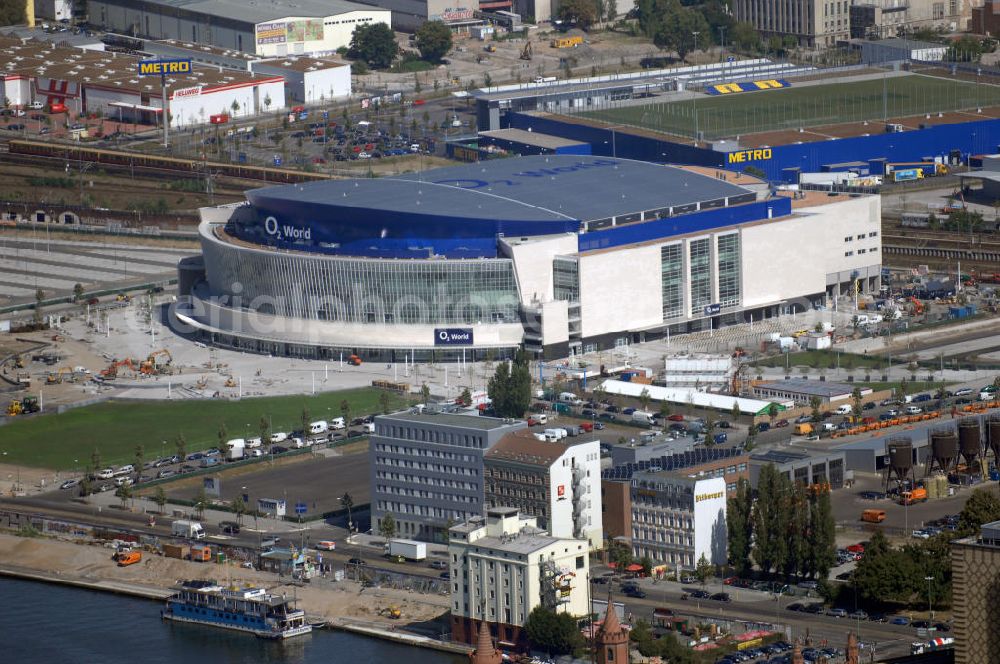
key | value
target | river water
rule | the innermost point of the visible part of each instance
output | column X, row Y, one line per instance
column 49, row 624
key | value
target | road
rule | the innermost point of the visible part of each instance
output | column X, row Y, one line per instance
column 761, row 608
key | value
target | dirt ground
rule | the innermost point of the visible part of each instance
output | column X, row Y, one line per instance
column 321, row 598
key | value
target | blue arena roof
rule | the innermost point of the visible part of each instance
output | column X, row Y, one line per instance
column 459, row 211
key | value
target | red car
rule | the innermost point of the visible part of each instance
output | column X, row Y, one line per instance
column 781, row 423
column 856, row 548
column 532, row 422
column 676, row 418
column 587, row 427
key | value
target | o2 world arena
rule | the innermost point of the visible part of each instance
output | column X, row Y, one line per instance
column 559, row 254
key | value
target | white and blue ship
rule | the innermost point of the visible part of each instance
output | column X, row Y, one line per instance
column 245, row 609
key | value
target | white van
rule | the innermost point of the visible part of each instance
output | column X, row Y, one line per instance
column 279, row 437
column 556, row 434
column 642, row 416
column 319, row 426
column 125, row 470
column 569, row 397
column 541, row 418
column 844, row 409
column 337, row 423
column 249, row 443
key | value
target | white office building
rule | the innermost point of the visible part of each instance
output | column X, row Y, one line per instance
column 557, row 483
column 503, row 566
column 677, row 519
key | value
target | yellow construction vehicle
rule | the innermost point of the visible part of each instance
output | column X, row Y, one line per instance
column 14, row 408
column 392, row 612
column 19, row 362
column 58, row 376
column 230, row 382
column 150, row 367
column 25, row 406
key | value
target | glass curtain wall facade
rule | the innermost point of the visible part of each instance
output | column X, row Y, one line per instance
column 566, row 279
column 362, row 290
column 729, row 270
column 672, row 279
column 701, row 274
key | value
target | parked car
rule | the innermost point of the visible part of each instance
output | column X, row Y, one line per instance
column 439, row 564
column 69, row 484
column 675, row 418
column 721, row 597
column 837, row 613
column 899, row 620
column 635, row 592
column 356, row 561
column 165, row 473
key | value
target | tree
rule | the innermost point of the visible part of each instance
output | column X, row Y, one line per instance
column 981, row 507
column 383, row 401
column 160, row 498
column 264, row 426
column 124, row 493
column 772, row 412
column 36, row 315
column 610, row 10
column 433, row 40
column 425, row 393
column 95, row 460
column 510, row 387
column 180, row 444
column 739, row 523
column 619, row 553
column 965, row 49
column 347, row 501
column 744, row 37
column 387, row 527
column 703, row 570
column 644, row 399
column 794, row 504
column 373, row 44
column 239, row 509
column 770, row 532
column 201, row 502
column 465, row 398
column 77, row 292
column 814, row 404
column 679, row 28
column 857, row 408
column 86, row 482
column 735, row 413
column 647, row 565
column 554, row 633
column 345, row 412
column 306, row 418
column 823, row 535
column 664, row 410
column 581, row 13
column 12, row 13
column 139, row 456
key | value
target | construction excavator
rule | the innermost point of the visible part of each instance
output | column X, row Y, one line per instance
column 54, row 378
column 918, row 306
column 112, row 371
column 526, row 52
column 149, row 366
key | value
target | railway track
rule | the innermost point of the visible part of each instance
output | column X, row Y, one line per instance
column 939, row 249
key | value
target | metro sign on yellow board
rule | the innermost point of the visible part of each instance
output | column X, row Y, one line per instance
column 164, row 67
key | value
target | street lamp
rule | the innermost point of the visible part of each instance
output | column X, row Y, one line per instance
column 930, row 606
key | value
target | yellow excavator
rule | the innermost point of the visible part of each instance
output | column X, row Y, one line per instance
column 58, row 376
column 24, row 406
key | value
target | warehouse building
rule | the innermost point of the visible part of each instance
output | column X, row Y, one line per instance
column 90, row 81
column 427, row 469
column 503, row 566
column 557, row 483
column 276, row 28
column 561, row 254
column 801, row 391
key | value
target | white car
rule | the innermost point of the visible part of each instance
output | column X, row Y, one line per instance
column 914, row 410
column 36, row 105
column 105, row 474
column 254, row 453
column 326, row 545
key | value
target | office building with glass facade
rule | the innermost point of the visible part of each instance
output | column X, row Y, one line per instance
column 561, row 254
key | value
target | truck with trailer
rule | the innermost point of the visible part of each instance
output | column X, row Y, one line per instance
column 408, row 549
column 186, row 528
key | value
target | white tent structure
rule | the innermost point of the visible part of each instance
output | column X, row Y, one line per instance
column 720, row 402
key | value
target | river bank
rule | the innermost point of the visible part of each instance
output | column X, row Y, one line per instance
column 342, row 605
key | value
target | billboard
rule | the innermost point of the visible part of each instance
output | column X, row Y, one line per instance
column 271, row 33
column 164, row 67
column 309, row 30
column 453, row 336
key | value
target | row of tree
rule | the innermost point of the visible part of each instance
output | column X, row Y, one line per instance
column 510, row 387
column 786, row 528
column 375, row 43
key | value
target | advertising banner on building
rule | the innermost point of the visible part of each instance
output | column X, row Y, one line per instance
column 453, row 336
column 302, row 31
column 271, row 33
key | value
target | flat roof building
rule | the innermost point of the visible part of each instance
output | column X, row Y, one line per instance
column 801, row 391
column 427, row 469
column 558, row 483
column 276, row 28
column 809, row 468
column 503, row 566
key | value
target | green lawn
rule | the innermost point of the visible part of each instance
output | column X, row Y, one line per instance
column 826, row 359
column 67, row 441
column 805, row 106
